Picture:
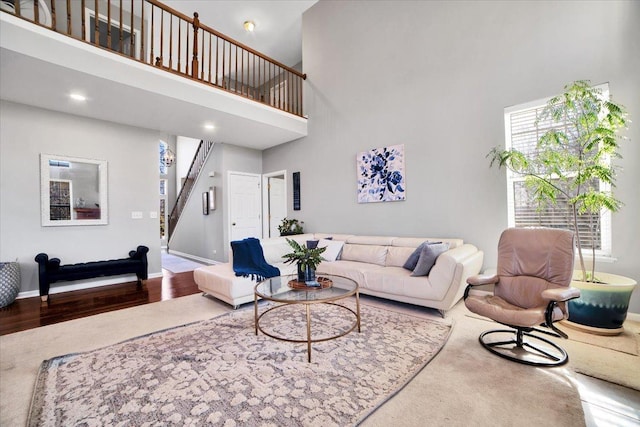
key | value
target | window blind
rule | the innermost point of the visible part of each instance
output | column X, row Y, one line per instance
column 523, row 133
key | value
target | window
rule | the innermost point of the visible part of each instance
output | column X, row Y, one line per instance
column 522, row 132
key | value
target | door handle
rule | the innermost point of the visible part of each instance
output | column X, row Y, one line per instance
column 233, row 223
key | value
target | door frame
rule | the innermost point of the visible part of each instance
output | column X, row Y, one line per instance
column 228, row 199
column 265, row 197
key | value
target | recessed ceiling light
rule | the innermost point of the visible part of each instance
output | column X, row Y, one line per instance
column 249, row 26
column 77, row 97
column 209, row 126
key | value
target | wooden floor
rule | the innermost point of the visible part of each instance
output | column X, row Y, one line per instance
column 28, row 313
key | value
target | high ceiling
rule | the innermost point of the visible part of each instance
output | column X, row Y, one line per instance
column 28, row 77
column 278, row 30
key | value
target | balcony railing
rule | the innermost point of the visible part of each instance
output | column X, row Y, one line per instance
column 149, row 32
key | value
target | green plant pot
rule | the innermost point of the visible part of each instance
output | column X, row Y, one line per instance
column 601, row 308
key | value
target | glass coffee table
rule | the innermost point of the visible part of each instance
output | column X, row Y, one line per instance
column 285, row 291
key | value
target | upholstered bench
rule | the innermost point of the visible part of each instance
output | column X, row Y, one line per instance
column 50, row 270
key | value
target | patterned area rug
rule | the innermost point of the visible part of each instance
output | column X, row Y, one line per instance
column 218, row 372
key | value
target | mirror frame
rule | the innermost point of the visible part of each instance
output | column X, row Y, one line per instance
column 45, row 179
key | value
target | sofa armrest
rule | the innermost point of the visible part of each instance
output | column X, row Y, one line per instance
column 452, row 269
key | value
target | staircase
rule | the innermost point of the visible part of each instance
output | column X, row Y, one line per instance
column 198, row 162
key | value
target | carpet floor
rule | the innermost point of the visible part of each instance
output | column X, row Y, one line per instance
column 462, row 385
column 218, row 372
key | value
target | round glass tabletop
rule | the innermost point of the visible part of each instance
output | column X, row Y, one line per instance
column 279, row 289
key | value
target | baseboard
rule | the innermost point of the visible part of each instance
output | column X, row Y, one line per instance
column 633, row 316
column 193, row 257
column 85, row 284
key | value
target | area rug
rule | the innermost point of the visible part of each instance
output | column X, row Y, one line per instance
column 218, row 372
column 176, row 264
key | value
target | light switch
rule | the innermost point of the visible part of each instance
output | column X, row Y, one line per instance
column 136, row 215
column 153, row 214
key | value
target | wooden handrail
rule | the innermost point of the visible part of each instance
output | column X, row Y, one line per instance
column 226, row 38
column 203, row 54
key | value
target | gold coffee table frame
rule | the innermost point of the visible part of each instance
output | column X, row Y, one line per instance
column 276, row 289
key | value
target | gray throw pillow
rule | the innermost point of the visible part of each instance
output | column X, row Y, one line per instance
column 428, row 257
column 412, row 261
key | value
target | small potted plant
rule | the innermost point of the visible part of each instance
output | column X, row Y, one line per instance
column 306, row 259
column 289, row 227
column 570, row 164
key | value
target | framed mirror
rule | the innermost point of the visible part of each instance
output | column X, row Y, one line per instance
column 73, row 191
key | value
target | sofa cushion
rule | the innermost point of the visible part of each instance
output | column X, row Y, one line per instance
column 332, row 236
column 333, row 249
column 412, row 260
column 397, row 256
column 414, row 242
column 372, row 254
column 350, row 269
column 398, row 281
column 371, row 240
column 428, row 256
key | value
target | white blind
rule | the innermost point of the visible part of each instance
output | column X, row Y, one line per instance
column 523, row 134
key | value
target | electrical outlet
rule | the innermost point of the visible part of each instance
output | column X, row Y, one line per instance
column 153, row 214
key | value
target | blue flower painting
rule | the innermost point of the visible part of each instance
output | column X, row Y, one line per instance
column 381, row 174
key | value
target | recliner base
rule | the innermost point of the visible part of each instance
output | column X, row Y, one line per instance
column 544, row 353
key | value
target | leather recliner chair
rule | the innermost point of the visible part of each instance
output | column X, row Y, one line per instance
column 531, row 287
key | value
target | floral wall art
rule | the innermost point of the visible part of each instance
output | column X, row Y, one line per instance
column 381, row 174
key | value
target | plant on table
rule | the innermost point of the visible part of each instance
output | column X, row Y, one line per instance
column 306, row 258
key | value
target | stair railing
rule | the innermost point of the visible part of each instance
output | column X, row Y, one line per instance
column 197, row 163
column 150, row 32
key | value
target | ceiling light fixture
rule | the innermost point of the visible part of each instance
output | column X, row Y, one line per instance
column 168, row 157
column 249, row 26
column 209, row 126
column 78, row 97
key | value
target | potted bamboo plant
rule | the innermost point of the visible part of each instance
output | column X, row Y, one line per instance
column 307, row 260
column 573, row 164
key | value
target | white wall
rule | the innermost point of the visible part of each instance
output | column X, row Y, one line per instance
column 186, row 148
column 132, row 156
column 436, row 77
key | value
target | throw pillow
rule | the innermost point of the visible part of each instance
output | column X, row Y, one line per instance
column 412, row 261
column 428, row 257
column 312, row 244
column 334, row 248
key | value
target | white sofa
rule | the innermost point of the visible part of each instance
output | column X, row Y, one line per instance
column 374, row 262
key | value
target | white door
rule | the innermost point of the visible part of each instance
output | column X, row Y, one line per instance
column 277, row 204
column 244, row 206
